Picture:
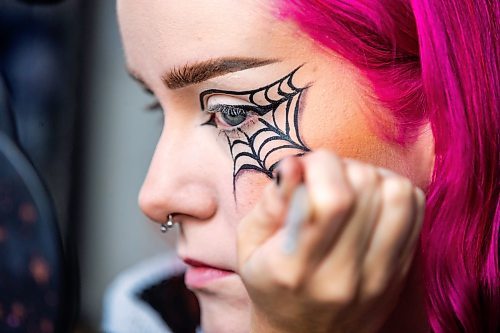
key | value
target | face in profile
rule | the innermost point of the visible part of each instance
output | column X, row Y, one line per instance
column 240, row 90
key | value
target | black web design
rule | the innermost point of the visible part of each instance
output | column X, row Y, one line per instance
column 275, row 134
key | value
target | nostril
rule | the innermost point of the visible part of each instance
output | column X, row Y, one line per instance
column 169, row 224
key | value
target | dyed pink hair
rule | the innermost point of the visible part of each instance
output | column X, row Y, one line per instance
column 435, row 61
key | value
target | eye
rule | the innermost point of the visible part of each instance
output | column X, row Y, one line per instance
column 228, row 116
column 233, row 116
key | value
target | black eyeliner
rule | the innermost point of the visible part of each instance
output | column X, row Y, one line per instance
column 281, row 132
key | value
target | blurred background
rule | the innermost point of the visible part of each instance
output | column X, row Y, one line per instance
column 80, row 122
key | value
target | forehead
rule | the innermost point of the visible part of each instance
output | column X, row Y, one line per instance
column 159, row 34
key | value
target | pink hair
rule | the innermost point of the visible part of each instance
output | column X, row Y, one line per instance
column 435, row 61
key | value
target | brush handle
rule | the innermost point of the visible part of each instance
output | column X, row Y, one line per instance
column 298, row 212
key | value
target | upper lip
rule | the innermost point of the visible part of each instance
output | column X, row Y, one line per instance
column 198, row 263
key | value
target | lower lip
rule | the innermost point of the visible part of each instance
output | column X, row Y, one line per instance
column 197, row 277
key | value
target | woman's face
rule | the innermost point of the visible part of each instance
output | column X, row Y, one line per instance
column 240, row 90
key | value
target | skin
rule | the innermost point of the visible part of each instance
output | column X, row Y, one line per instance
column 259, row 145
column 245, row 213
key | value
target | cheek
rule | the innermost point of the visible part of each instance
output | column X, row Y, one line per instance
column 335, row 118
column 249, row 189
column 340, row 128
column 339, row 122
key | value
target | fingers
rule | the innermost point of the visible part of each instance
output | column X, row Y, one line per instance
column 393, row 246
column 342, row 263
column 362, row 229
column 410, row 246
column 396, row 223
column 268, row 214
column 331, row 198
column 365, row 180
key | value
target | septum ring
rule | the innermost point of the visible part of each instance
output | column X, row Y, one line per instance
column 167, row 225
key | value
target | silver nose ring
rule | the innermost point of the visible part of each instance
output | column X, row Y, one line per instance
column 167, row 225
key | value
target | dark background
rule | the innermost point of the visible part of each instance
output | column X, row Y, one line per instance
column 79, row 121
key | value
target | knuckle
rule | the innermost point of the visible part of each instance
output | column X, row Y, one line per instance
column 335, row 202
column 322, row 153
column 369, row 177
column 344, row 288
column 420, row 198
column 284, row 279
column 397, row 190
column 290, row 281
column 343, row 293
column 362, row 176
column 344, row 202
column 320, row 156
column 375, row 285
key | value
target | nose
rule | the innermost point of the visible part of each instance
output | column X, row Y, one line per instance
column 178, row 180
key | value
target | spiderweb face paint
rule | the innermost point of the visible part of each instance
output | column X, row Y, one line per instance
column 274, row 134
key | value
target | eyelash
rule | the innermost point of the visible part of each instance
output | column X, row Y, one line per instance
column 227, row 109
column 153, row 106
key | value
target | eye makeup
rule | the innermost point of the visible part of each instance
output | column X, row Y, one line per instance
column 267, row 127
column 230, row 118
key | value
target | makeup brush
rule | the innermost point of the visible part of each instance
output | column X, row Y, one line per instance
column 298, row 212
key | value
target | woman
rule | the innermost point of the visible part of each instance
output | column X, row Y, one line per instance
column 329, row 94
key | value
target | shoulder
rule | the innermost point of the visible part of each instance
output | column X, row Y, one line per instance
column 151, row 297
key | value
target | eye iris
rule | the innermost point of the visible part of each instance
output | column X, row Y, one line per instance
column 234, row 117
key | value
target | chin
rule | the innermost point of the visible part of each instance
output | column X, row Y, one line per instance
column 224, row 313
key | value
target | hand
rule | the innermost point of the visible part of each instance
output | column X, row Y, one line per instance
column 353, row 253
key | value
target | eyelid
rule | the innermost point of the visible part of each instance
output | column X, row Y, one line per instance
column 219, row 108
column 220, row 99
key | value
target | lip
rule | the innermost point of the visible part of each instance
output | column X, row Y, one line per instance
column 200, row 274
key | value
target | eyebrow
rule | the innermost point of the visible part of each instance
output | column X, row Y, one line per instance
column 189, row 74
column 180, row 77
